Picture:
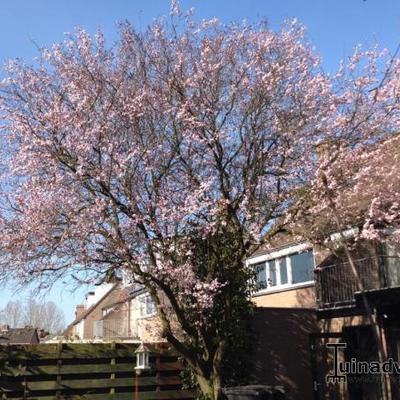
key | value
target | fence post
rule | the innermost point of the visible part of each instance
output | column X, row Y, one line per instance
column 6, row 365
column 59, row 366
column 25, row 367
column 158, row 362
column 112, row 362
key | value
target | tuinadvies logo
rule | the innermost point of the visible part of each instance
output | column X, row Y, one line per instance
column 343, row 368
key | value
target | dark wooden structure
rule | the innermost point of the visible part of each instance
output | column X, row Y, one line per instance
column 342, row 311
column 87, row 372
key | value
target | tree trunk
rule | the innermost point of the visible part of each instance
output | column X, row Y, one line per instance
column 211, row 386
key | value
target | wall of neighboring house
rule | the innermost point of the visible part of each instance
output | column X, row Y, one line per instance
column 117, row 315
column 144, row 322
column 134, row 318
column 303, row 297
column 281, row 354
column 336, row 325
column 89, row 314
column 115, row 321
column 78, row 329
column 285, row 317
column 110, row 297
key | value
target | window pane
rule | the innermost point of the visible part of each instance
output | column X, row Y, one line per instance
column 392, row 264
column 283, row 270
column 261, row 279
column 142, row 305
column 271, row 273
column 140, row 359
column 150, row 306
column 302, row 266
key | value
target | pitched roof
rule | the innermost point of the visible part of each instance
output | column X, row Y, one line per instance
column 25, row 335
column 276, row 246
column 127, row 293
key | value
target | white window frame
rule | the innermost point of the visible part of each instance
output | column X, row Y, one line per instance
column 145, row 297
column 277, row 256
column 277, row 273
column 106, row 311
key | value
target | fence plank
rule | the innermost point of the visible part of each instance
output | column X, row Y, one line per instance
column 95, row 371
column 167, row 394
column 100, row 383
column 69, row 369
column 40, row 352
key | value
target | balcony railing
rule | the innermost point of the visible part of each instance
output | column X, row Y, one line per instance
column 336, row 284
column 113, row 329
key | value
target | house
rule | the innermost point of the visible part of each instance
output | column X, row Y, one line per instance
column 87, row 314
column 133, row 316
column 309, row 297
column 285, row 274
column 118, row 311
column 306, row 298
column 285, row 317
column 346, row 306
column 18, row 336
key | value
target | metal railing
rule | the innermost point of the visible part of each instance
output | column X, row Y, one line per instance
column 112, row 329
column 336, row 284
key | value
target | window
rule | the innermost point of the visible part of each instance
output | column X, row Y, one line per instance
column 106, row 311
column 142, row 360
column 283, row 270
column 146, row 305
column 98, row 329
column 302, row 266
column 261, row 280
column 392, row 263
column 288, row 270
column 271, row 273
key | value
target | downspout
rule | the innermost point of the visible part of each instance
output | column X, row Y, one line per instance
column 129, row 318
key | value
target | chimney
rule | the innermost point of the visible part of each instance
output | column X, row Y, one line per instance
column 42, row 333
column 80, row 309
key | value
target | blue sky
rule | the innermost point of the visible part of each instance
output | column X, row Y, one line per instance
column 334, row 26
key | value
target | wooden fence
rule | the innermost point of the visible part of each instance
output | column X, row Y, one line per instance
column 87, row 372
